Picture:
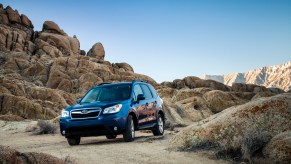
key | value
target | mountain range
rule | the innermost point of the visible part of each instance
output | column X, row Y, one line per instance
column 278, row 76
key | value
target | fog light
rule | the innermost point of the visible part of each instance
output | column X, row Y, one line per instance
column 115, row 128
column 63, row 132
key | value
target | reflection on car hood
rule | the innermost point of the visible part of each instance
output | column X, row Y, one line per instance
column 101, row 104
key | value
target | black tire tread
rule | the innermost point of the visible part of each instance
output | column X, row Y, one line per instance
column 156, row 130
column 127, row 136
column 74, row 141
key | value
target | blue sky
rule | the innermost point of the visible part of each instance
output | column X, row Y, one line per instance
column 170, row 39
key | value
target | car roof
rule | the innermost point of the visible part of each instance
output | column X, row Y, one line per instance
column 120, row 83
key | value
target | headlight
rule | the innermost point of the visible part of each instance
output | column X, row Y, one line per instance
column 112, row 109
column 65, row 113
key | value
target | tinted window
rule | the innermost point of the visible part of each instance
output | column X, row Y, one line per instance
column 154, row 93
column 147, row 92
column 107, row 93
column 137, row 90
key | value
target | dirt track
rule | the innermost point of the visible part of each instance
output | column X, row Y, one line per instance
column 145, row 149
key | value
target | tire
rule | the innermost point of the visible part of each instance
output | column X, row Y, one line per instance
column 111, row 136
column 129, row 132
column 74, row 141
column 158, row 129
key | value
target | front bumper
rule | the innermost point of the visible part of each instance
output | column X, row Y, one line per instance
column 103, row 125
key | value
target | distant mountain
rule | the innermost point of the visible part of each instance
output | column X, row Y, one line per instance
column 278, row 76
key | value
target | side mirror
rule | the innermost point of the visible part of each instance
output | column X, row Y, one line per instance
column 140, row 97
column 78, row 101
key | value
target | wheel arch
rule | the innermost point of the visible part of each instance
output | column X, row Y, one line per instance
column 134, row 117
column 163, row 115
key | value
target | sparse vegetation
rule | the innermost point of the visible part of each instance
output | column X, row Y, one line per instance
column 246, row 147
column 169, row 125
column 42, row 127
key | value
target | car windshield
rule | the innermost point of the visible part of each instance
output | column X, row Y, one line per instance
column 108, row 93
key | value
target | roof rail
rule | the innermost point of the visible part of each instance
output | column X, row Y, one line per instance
column 139, row 80
column 103, row 84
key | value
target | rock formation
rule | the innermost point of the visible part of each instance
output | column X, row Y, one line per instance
column 278, row 76
column 192, row 99
column 41, row 72
column 97, row 51
column 245, row 129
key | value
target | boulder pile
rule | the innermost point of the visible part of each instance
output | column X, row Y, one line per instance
column 42, row 72
column 192, row 99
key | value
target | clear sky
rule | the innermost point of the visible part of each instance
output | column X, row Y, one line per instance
column 170, row 39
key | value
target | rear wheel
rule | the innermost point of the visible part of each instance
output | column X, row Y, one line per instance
column 158, row 130
column 129, row 133
column 111, row 136
column 74, row 140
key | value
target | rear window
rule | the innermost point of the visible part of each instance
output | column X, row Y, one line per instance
column 108, row 93
column 146, row 91
column 154, row 93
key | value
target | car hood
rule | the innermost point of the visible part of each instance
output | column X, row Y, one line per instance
column 102, row 105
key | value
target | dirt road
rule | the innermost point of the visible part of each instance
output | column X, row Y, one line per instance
column 145, row 149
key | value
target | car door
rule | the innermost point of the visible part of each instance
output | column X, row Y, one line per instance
column 150, row 104
column 140, row 106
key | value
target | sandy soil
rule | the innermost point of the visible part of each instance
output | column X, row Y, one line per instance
column 145, row 149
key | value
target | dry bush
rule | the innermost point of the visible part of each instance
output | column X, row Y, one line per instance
column 44, row 127
column 247, row 147
column 169, row 126
column 253, row 142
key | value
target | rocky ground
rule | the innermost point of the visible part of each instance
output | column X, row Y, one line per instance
column 145, row 149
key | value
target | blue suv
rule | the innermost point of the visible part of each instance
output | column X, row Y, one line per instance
column 113, row 109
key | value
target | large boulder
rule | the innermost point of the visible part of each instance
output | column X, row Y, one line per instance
column 240, row 87
column 126, row 67
column 52, row 27
column 26, row 21
column 195, row 82
column 4, row 18
column 13, row 15
column 218, row 100
column 56, row 45
column 97, row 51
column 21, row 106
column 9, row 155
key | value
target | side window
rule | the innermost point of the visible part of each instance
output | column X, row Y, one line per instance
column 136, row 90
column 147, row 92
column 154, row 93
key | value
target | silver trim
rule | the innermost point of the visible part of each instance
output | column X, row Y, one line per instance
column 89, row 110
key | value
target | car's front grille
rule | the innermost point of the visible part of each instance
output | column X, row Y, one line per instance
column 85, row 113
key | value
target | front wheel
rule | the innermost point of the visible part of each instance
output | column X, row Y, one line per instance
column 158, row 130
column 129, row 132
column 74, row 141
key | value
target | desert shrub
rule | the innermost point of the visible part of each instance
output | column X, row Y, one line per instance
column 244, row 147
column 196, row 144
column 253, row 142
column 169, row 126
column 45, row 127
